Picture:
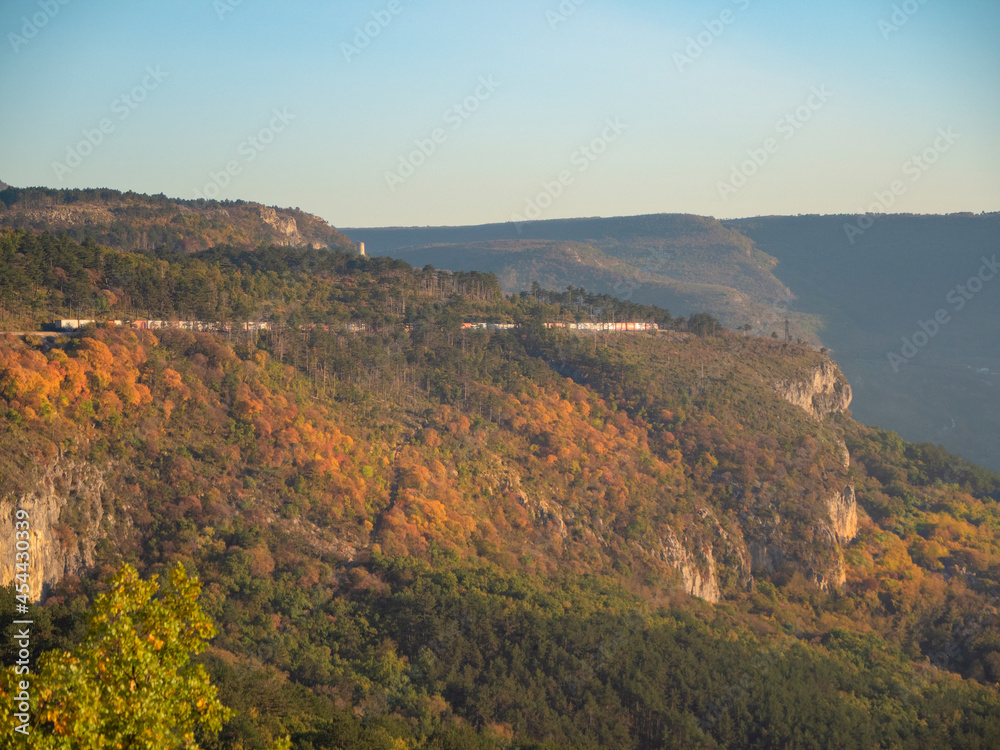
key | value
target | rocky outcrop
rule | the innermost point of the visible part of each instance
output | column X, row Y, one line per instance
column 65, row 515
column 710, row 550
column 772, row 543
column 822, row 392
column 845, row 454
column 843, row 509
column 322, row 541
column 838, row 531
column 730, row 548
column 833, row 577
column 71, row 216
column 765, row 557
column 699, row 577
column 545, row 512
column 284, row 226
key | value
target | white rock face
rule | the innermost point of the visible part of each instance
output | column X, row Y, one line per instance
column 284, row 225
column 699, row 577
column 845, row 455
column 843, row 508
column 823, row 392
column 841, row 528
column 64, row 485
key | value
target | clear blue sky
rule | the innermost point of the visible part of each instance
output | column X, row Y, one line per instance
column 556, row 81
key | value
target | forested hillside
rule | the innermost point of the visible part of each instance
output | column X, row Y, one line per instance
column 873, row 289
column 418, row 535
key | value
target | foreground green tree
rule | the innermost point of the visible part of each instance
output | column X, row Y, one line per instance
column 130, row 683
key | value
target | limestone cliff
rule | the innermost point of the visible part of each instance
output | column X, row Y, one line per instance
column 283, row 226
column 766, row 555
column 823, row 391
column 66, row 516
column 766, row 542
column 761, row 545
column 699, row 577
column 839, row 531
column 843, row 509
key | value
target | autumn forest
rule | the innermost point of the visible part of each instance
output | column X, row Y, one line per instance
column 373, row 528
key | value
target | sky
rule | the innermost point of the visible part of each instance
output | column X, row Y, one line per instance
column 439, row 112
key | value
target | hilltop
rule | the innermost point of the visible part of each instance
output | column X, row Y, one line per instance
column 133, row 221
column 420, row 535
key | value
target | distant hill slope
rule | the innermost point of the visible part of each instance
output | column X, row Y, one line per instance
column 557, row 264
column 133, row 221
column 682, row 262
column 876, row 292
column 860, row 299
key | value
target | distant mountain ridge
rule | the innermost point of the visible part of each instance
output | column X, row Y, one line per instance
column 678, row 261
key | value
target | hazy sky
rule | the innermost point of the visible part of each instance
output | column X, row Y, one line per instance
column 416, row 112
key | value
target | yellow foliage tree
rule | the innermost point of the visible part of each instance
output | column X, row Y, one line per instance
column 130, row 684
